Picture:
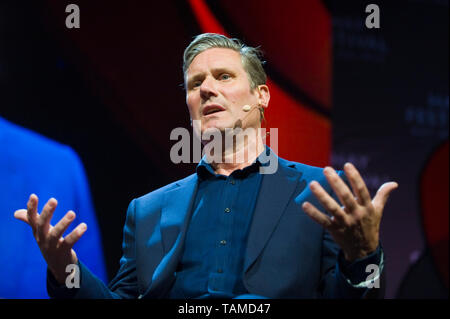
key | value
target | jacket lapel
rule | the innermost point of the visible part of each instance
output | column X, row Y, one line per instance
column 276, row 190
column 175, row 215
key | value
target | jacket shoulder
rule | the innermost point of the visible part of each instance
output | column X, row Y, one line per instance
column 308, row 171
column 304, row 169
column 157, row 195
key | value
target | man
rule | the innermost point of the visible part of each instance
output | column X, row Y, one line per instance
column 29, row 163
column 229, row 231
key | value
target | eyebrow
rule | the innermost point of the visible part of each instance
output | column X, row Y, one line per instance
column 200, row 75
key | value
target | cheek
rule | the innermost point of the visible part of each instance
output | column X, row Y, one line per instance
column 240, row 95
column 193, row 106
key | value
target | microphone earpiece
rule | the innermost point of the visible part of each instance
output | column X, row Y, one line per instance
column 246, row 108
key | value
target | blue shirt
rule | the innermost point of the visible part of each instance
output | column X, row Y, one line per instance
column 213, row 259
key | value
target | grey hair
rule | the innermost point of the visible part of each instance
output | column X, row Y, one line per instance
column 251, row 57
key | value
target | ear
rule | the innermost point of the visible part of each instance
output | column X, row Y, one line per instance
column 263, row 96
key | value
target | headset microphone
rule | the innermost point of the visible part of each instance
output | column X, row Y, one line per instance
column 246, row 108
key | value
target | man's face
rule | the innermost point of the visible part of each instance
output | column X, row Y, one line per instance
column 217, row 88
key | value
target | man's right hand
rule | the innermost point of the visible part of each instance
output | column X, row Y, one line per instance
column 57, row 251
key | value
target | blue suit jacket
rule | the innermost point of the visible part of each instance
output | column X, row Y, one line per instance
column 288, row 255
column 31, row 163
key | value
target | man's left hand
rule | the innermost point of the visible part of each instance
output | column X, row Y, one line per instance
column 354, row 226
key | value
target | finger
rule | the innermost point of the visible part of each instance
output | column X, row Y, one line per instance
column 382, row 195
column 358, row 185
column 32, row 215
column 327, row 201
column 74, row 236
column 58, row 230
column 319, row 217
column 46, row 216
column 340, row 189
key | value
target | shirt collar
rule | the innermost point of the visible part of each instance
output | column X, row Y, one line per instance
column 205, row 170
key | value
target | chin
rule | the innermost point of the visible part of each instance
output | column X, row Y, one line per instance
column 215, row 124
column 211, row 130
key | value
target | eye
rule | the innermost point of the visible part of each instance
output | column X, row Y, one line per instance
column 196, row 84
column 225, row 76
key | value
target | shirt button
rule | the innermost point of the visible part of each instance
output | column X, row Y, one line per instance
column 232, row 182
column 223, row 242
column 227, row 210
column 220, row 270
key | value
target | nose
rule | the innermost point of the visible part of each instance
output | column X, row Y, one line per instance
column 208, row 88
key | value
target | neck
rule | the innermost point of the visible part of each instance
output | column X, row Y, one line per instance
column 242, row 152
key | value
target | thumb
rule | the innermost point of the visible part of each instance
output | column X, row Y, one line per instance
column 382, row 195
column 21, row 214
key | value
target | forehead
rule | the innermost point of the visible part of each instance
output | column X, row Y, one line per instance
column 215, row 58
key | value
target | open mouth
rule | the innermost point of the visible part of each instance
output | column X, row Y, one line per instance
column 211, row 109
